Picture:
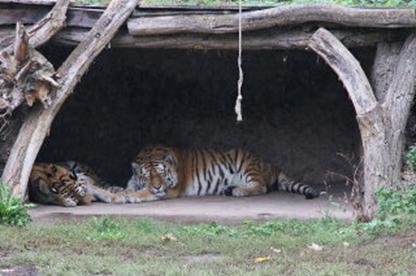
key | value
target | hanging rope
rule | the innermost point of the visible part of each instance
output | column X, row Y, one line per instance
column 240, row 70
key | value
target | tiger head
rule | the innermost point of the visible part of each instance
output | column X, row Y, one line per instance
column 156, row 169
column 50, row 183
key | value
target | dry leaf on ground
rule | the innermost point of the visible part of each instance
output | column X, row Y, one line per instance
column 262, row 259
column 315, row 247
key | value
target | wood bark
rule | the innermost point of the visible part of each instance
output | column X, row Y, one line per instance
column 264, row 40
column 36, row 126
column 384, row 65
column 381, row 123
column 25, row 74
column 45, row 28
column 279, row 16
column 397, row 104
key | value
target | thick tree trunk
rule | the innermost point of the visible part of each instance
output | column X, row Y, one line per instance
column 397, row 104
column 381, row 123
column 36, row 126
column 385, row 63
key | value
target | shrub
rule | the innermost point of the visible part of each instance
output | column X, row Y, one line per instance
column 396, row 210
column 13, row 211
column 411, row 157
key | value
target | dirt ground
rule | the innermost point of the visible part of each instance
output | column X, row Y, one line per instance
column 213, row 208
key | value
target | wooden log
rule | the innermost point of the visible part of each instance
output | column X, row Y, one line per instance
column 279, row 16
column 264, row 40
column 381, row 123
column 401, row 91
column 347, row 68
column 369, row 117
column 49, row 25
column 397, row 104
column 82, row 15
column 145, row 6
column 36, row 126
column 45, row 28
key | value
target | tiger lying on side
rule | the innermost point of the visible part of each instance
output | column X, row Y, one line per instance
column 53, row 184
column 67, row 184
column 161, row 172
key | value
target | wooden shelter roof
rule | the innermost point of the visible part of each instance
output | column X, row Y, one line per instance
column 215, row 27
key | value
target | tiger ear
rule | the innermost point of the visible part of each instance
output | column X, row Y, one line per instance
column 135, row 167
column 170, row 158
column 73, row 175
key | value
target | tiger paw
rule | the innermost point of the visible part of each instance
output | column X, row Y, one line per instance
column 69, row 202
column 81, row 190
column 229, row 190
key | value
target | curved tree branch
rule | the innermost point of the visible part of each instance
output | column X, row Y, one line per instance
column 370, row 119
column 347, row 68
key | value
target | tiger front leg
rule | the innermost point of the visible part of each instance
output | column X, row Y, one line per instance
column 134, row 197
column 256, row 189
column 82, row 195
column 100, row 194
column 67, row 201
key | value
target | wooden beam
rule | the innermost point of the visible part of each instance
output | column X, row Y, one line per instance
column 264, row 40
column 85, row 15
column 283, row 15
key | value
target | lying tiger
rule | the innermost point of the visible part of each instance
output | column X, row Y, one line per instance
column 161, row 172
column 67, row 184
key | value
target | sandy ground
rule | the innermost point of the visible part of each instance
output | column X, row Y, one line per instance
column 207, row 209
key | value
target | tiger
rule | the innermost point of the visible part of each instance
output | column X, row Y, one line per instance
column 67, row 184
column 161, row 172
column 53, row 184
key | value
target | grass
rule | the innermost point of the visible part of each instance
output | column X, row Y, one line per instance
column 146, row 247
column 12, row 210
column 121, row 246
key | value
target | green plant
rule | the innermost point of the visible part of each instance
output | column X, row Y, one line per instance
column 394, row 202
column 106, row 228
column 212, row 230
column 396, row 210
column 411, row 157
column 13, row 211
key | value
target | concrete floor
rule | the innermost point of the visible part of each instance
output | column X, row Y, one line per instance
column 207, row 209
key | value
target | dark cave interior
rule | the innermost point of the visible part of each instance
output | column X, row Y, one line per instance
column 297, row 114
